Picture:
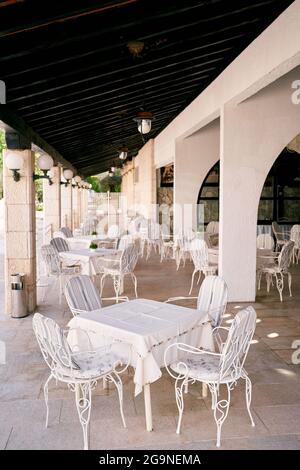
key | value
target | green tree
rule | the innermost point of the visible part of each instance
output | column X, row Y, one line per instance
column 103, row 183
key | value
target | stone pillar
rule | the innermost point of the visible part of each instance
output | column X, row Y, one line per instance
column 66, row 206
column 20, row 230
column 76, row 207
column 84, row 204
column 52, row 204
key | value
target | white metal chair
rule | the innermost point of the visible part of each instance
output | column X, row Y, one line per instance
column 212, row 234
column 124, row 241
column 113, row 231
column 54, row 268
column 79, row 370
column 82, row 295
column 212, row 298
column 295, row 237
column 182, row 247
column 59, row 244
column 66, row 231
column 199, row 255
column 154, row 238
column 279, row 236
column 264, row 241
column 212, row 227
column 119, row 268
column 279, row 269
column 215, row 368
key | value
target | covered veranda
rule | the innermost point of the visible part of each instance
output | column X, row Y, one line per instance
column 164, row 111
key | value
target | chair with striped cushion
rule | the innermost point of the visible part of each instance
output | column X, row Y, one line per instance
column 212, row 298
column 66, row 231
column 82, row 295
column 59, row 244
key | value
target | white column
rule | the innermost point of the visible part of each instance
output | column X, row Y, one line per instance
column 238, row 208
column 66, row 206
column 84, row 204
column 52, row 202
column 76, row 207
column 20, row 230
column 194, row 157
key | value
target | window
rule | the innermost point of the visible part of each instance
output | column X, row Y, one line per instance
column 280, row 197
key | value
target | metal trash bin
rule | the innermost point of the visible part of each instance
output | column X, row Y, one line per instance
column 18, row 296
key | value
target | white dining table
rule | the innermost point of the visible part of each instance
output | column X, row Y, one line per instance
column 84, row 241
column 147, row 327
column 85, row 256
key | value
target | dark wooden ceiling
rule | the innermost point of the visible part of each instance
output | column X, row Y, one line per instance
column 70, row 75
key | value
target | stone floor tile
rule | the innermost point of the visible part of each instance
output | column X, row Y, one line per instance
column 280, row 419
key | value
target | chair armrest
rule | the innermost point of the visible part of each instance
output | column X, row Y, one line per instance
column 174, row 299
column 269, row 256
column 221, row 328
column 193, row 350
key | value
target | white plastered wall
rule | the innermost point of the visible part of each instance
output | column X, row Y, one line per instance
column 194, row 157
column 253, row 134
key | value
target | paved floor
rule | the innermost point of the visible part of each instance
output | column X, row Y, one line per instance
column 276, row 384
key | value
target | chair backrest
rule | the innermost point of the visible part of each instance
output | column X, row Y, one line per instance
column 59, row 234
column 66, row 231
column 295, row 234
column 113, row 231
column 199, row 253
column 129, row 258
column 212, row 298
column 265, row 241
column 212, row 227
column 277, row 231
column 124, row 241
column 155, row 230
column 82, row 294
column 51, row 259
column 236, row 346
column 53, row 344
column 59, row 244
column 285, row 257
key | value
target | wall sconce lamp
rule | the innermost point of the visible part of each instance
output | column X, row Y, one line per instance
column 68, row 175
column 14, row 162
column 45, row 163
column 77, row 181
column 123, row 152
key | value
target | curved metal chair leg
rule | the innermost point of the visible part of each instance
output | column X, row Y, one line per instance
column 117, row 285
column 46, row 395
column 290, row 283
column 259, row 279
column 134, row 280
column 248, row 397
column 102, row 281
column 192, row 283
column 119, row 386
column 180, row 403
column 279, row 284
column 221, row 412
column 83, row 398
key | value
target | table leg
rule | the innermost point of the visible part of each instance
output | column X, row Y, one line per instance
column 148, row 410
column 204, row 390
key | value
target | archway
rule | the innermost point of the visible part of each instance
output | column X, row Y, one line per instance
column 280, row 195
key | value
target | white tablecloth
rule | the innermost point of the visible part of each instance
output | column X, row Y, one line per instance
column 84, row 241
column 148, row 327
column 84, row 257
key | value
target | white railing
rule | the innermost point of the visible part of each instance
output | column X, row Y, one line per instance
column 48, row 234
